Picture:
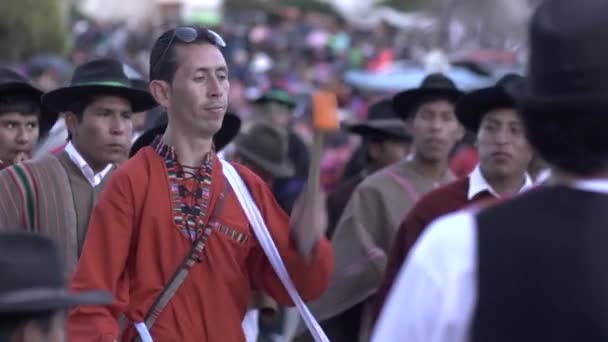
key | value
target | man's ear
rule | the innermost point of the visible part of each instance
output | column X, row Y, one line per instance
column 161, row 91
column 71, row 122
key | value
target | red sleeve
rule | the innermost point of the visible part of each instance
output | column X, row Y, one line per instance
column 102, row 264
column 310, row 278
column 409, row 231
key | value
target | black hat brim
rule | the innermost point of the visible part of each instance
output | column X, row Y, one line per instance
column 471, row 108
column 405, row 102
column 60, row 99
column 55, row 301
column 229, row 130
column 364, row 129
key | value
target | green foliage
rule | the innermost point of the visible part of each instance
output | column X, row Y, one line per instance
column 404, row 5
column 318, row 6
column 28, row 27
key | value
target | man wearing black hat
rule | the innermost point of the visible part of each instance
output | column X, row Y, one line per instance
column 532, row 268
column 505, row 155
column 33, row 294
column 55, row 195
column 22, row 120
column 169, row 214
column 376, row 208
column 386, row 141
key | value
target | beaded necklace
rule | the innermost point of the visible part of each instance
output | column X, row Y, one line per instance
column 189, row 206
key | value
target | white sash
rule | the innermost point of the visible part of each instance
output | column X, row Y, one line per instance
column 263, row 235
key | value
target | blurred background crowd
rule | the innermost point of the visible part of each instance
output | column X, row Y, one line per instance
column 362, row 50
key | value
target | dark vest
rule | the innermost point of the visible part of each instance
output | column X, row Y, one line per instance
column 543, row 268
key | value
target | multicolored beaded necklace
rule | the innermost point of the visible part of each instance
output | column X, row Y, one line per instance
column 190, row 219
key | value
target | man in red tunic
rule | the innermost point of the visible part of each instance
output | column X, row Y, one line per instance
column 170, row 193
column 505, row 155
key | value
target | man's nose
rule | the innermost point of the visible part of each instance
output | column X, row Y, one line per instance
column 24, row 135
column 215, row 88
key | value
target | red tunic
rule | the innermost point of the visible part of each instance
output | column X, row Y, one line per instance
column 133, row 247
column 433, row 205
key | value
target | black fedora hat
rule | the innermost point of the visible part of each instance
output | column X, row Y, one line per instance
column 381, row 121
column 229, row 130
column 33, row 277
column 277, row 95
column 99, row 77
column 433, row 85
column 266, row 146
column 471, row 108
column 11, row 83
column 568, row 62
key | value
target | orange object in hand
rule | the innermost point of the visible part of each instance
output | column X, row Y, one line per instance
column 325, row 111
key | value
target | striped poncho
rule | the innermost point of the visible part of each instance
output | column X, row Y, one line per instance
column 50, row 196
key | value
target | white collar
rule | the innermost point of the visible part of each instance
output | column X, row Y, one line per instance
column 93, row 178
column 478, row 183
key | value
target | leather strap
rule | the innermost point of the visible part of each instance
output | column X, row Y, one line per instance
column 194, row 256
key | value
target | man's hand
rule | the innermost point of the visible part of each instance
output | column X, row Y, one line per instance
column 308, row 221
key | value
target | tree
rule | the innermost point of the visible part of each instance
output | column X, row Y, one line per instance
column 404, row 5
column 28, row 27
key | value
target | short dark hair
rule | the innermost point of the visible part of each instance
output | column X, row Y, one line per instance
column 78, row 107
column 23, row 103
column 163, row 59
column 10, row 322
column 573, row 142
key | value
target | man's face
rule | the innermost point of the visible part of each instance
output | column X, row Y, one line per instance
column 198, row 96
column 389, row 151
column 103, row 135
column 280, row 115
column 502, row 144
column 435, row 130
column 18, row 135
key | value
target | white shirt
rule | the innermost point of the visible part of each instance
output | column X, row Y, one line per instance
column 478, row 183
column 434, row 295
column 93, row 178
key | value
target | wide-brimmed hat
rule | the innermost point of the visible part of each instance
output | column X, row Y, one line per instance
column 434, row 85
column 99, row 77
column 229, row 130
column 381, row 121
column 567, row 63
column 277, row 95
column 471, row 108
column 33, row 277
column 13, row 83
column 266, row 146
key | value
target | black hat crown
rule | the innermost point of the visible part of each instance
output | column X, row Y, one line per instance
column 13, row 81
column 382, row 109
column 9, row 76
column 437, row 81
column 29, row 261
column 568, row 62
column 100, row 77
column 101, row 72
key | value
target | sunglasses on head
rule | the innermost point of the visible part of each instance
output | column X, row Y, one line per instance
column 189, row 34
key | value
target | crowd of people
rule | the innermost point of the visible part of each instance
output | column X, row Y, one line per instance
column 134, row 208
